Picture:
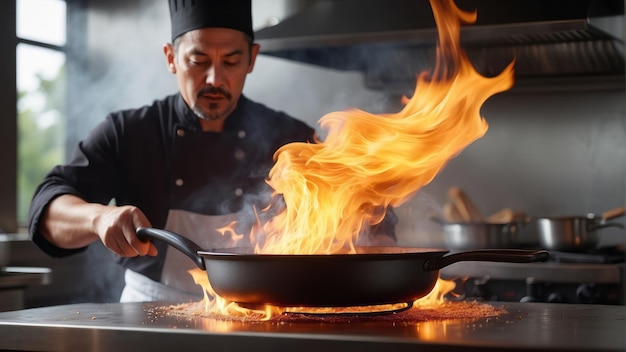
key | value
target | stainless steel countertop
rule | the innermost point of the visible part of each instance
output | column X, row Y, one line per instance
column 134, row 326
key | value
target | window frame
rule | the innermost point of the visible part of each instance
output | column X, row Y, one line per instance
column 8, row 120
column 76, row 37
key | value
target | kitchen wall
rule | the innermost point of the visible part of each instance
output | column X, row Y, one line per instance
column 547, row 153
column 551, row 152
column 557, row 151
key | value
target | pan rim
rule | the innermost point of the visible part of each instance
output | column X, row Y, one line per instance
column 390, row 251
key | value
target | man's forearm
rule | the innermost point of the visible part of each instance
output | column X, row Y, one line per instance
column 68, row 222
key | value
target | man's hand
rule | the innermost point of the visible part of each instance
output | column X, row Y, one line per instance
column 116, row 227
column 70, row 222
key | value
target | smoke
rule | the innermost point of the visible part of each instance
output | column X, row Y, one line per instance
column 416, row 226
column 309, row 92
column 115, row 61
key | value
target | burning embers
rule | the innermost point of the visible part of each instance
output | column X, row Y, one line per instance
column 396, row 314
column 334, row 189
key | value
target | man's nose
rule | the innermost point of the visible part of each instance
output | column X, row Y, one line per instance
column 214, row 76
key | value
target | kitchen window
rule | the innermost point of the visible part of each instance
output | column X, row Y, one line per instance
column 40, row 78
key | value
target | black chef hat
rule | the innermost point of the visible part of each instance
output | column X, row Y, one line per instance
column 187, row 15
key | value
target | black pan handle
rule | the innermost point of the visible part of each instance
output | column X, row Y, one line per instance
column 489, row 255
column 183, row 244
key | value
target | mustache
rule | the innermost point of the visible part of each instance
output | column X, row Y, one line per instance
column 214, row 90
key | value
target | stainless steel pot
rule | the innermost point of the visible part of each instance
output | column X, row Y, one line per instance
column 575, row 233
column 480, row 235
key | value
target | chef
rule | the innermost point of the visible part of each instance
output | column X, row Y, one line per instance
column 191, row 163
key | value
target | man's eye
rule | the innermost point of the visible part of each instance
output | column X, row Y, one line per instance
column 197, row 62
column 232, row 63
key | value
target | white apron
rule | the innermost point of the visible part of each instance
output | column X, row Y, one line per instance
column 176, row 283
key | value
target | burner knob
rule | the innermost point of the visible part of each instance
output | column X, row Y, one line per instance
column 587, row 293
column 534, row 290
column 556, row 297
column 480, row 289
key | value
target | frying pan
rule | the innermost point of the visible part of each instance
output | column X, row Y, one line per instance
column 372, row 276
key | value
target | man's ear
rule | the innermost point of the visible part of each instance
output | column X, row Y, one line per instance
column 168, row 51
column 253, row 54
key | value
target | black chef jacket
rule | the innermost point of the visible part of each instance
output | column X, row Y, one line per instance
column 157, row 158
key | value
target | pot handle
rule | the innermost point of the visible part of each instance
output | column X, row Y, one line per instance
column 613, row 213
column 489, row 255
column 183, row 244
column 593, row 227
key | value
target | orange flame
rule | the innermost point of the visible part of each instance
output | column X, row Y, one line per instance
column 333, row 189
column 436, row 296
column 219, row 306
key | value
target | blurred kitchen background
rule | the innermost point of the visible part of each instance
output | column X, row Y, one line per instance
column 556, row 143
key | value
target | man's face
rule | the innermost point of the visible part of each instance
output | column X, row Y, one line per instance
column 211, row 65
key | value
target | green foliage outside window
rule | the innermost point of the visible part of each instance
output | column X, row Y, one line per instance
column 40, row 144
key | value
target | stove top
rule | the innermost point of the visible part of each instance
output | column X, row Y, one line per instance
column 602, row 265
column 14, row 276
column 606, row 255
column 547, row 272
column 593, row 277
column 132, row 326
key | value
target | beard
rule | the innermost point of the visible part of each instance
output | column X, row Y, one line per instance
column 214, row 111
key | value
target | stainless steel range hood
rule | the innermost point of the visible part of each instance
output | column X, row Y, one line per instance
column 392, row 40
